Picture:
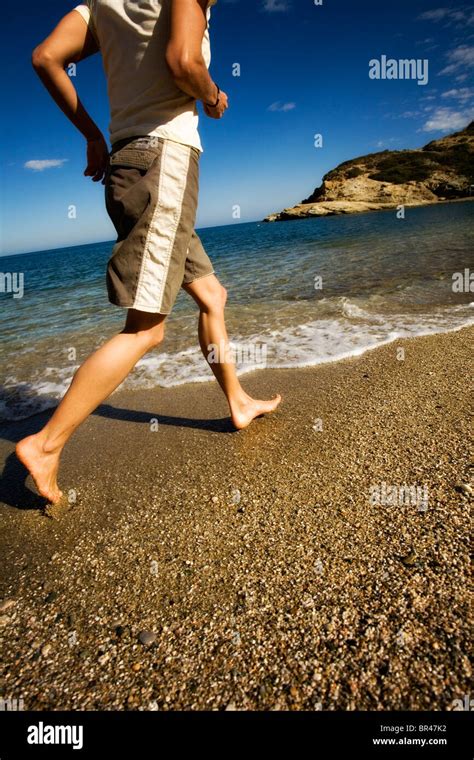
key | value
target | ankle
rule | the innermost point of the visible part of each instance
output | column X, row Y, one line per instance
column 239, row 399
column 48, row 444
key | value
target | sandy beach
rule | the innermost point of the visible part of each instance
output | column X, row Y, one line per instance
column 200, row 568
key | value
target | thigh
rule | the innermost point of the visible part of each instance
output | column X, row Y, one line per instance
column 141, row 320
column 152, row 199
column 198, row 263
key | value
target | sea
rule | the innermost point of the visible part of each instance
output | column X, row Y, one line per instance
column 300, row 293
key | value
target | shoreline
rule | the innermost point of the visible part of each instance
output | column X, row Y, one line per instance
column 254, row 560
column 210, row 378
column 346, row 207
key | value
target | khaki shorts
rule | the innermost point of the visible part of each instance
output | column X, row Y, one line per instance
column 151, row 194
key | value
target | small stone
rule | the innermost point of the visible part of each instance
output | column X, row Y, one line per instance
column 236, row 640
column 51, row 597
column 215, row 499
column 4, row 620
column 231, row 707
column 103, row 659
column 136, row 667
column 236, row 496
column 46, row 650
column 147, row 638
column 125, row 633
column 464, row 488
column 7, row 604
column 410, row 559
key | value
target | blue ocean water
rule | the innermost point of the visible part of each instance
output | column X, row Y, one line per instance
column 381, row 278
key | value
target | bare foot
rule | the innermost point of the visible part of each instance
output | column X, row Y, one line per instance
column 42, row 466
column 243, row 412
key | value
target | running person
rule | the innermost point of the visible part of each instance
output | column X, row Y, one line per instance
column 156, row 56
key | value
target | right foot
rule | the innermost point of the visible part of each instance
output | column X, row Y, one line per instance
column 42, row 466
column 243, row 413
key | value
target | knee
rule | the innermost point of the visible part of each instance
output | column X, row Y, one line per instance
column 216, row 300
column 147, row 328
column 148, row 337
column 223, row 296
column 153, row 336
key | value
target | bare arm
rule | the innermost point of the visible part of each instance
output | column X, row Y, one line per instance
column 71, row 42
column 184, row 54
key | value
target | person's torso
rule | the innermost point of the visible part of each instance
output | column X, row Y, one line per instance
column 144, row 99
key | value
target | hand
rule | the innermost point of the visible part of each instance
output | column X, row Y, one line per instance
column 97, row 159
column 217, row 112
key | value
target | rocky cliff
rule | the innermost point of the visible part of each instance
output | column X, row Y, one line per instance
column 442, row 170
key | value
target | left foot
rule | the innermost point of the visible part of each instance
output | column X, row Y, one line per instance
column 42, row 466
column 243, row 412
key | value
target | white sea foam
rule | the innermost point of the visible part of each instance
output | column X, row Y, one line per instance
column 346, row 330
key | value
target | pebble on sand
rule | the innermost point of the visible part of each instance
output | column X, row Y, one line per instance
column 464, row 488
column 410, row 559
column 7, row 604
column 147, row 638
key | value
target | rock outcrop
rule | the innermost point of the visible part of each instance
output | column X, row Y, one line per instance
column 442, row 170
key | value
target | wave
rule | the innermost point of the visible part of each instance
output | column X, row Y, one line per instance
column 345, row 329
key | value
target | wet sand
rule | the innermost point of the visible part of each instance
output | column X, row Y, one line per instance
column 201, row 568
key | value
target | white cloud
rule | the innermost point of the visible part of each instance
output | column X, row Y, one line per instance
column 459, row 16
column 386, row 142
column 461, row 93
column 409, row 114
column 273, row 6
column 278, row 106
column 435, row 15
column 46, row 163
column 448, row 120
column 460, row 58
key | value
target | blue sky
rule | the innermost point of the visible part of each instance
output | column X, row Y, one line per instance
column 304, row 70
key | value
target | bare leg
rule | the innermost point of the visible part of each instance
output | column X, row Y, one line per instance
column 211, row 297
column 93, row 382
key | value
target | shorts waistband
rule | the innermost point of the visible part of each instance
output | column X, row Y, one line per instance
column 146, row 142
column 119, row 144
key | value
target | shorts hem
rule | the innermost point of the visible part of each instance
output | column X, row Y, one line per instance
column 147, row 309
column 199, row 277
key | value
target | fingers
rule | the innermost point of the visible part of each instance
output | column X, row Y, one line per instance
column 97, row 173
column 96, row 169
column 97, row 160
column 218, row 111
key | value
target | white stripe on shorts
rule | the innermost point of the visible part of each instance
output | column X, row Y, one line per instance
column 161, row 235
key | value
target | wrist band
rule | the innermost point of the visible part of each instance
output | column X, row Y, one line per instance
column 213, row 105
